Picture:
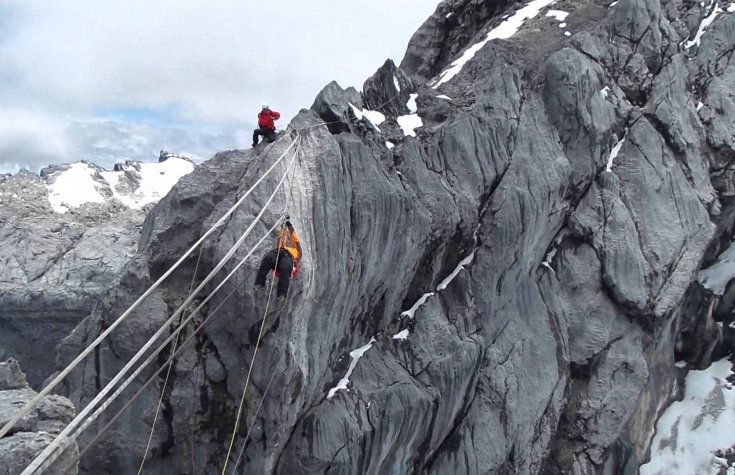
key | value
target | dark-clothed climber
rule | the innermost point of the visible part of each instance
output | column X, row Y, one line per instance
column 282, row 259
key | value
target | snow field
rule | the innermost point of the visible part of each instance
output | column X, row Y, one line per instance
column 82, row 183
column 690, row 431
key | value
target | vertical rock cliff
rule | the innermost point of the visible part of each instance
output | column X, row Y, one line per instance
column 501, row 242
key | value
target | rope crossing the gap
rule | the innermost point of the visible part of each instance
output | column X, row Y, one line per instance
column 153, row 356
column 257, row 344
column 60, row 377
column 52, row 451
column 175, row 333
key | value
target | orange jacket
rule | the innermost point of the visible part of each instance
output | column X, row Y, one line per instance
column 288, row 240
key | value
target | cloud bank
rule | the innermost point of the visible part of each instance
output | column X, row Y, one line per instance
column 109, row 80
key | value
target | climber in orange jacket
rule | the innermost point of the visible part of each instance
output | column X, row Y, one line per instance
column 266, row 125
column 282, row 259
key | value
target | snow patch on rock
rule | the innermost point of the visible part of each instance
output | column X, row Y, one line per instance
column 718, row 275
column 374, row 117
column 411, row 311
column 614, row 153
column 504, row 31
column 464, row 262
column 355, row 356
column 411, row 103
column 559, row 15
column 707, row 21
column 409, row 123
column 401, row 335
column 691, row 432
column 82, row 183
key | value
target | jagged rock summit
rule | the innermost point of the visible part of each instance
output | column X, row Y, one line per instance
column 504, row 241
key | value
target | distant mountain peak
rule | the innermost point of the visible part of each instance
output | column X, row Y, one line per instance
column 135, row 184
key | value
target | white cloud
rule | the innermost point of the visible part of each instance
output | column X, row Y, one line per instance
column 33, row 140
column 206, row 62
column 29, row 139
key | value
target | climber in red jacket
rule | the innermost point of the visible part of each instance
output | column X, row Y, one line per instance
column 266, row 126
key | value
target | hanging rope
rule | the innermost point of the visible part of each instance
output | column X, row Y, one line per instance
column 262, row 398
column 62, row 437
column 155, row 354
column 250, row 369
column 168, row 372
column 60, row 377
column 252, row 424
column 185, row 322
column 260, row 334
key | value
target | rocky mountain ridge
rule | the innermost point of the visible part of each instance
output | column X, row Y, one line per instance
column 504, row 242
column 67, row 233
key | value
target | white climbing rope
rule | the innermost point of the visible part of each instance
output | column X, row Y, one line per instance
column 46, row 457
column 255, row 352
column 173, row 335
column 168, row 372
column 162, row 346
column 153, row 356
column 60, row 377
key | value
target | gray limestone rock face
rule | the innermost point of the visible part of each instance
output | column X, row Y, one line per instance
column 11, row 401
column 56, row 265
column 18, row 451
column 35, row 430
column 453, row 26
column 11, row 376
column 333, row 106
column 388, row 90
column 533, row 249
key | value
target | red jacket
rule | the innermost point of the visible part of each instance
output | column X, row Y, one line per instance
column 266, row 118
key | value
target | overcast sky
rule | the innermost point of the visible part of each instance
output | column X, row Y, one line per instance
column 109, row 80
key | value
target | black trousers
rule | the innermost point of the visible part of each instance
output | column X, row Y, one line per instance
column 269, row 134
column 285, row 266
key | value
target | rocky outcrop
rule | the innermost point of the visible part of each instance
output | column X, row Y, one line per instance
column 36, row 430
column 447, row 32
column 56, row 265
column 388, row 90
column 532, row 245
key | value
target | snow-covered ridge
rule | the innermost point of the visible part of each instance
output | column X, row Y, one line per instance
column 134, row 184
column 504, row 31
